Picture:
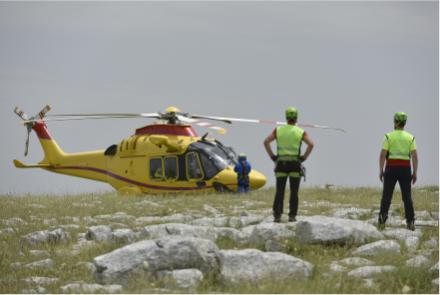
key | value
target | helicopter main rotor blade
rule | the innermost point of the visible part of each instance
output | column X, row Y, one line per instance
column 75, row 117
column 257, row 121
column 188, row 120
column 111, row 115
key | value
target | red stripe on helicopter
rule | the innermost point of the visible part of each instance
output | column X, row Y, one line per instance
column 116, row 176
column 161, row 129
column 41, row 130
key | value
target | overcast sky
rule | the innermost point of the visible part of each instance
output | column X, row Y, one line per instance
column 344, row 64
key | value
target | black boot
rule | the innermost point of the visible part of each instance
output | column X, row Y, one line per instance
column 410, row 225
column 381, row 222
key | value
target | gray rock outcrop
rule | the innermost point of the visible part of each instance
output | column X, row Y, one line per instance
column 254, row 266
column 322, row 229
column 417, row 261
column 178, row 229
column 81, row 287
column 50, row 237
column 367, row 271
column 386, row 247
column 183, row 279
column 41, row 264
column 150, row 256
column 99, row 233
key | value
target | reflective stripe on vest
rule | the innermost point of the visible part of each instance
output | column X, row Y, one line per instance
column 399, row 142
column 289, row 138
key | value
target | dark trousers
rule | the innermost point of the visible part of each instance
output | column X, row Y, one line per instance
column 391, row 176
column 279, row 196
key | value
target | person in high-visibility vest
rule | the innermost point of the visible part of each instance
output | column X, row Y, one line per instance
column 288, row 161
column 398, row 150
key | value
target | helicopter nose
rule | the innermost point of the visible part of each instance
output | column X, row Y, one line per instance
column 256, row 180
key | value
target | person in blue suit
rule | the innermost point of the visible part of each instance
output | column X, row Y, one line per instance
column 243, row 168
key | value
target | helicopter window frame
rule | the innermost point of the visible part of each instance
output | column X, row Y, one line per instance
column 152, row 175
column 202, row 173
column 176, row 166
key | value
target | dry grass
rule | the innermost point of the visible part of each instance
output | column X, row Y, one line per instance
column 49, row 212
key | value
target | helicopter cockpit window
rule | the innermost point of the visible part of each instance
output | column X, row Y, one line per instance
column 156, row 171
column 170, row 164
column 193, row 167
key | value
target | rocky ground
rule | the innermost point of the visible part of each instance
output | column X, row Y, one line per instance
column 215, row 243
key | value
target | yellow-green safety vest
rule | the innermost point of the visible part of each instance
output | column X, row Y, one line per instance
column 289, row 139
column 399, row 144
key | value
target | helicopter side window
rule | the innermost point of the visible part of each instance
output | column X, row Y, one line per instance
column 193, row 167
column 170, row 164
column 156, row 171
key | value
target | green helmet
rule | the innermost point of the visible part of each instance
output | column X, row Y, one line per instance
column 400, row 117
column 291, row 114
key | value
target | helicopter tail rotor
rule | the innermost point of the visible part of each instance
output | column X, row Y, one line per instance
column 30, row 122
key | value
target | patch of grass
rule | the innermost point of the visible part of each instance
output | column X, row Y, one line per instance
column 49, row 212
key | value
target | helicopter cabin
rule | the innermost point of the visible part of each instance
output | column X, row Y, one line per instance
column 170, row 157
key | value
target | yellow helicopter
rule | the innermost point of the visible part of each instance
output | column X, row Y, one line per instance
column 167, row 156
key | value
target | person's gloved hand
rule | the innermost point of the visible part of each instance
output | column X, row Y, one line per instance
column 274, row 158
column 302, row 159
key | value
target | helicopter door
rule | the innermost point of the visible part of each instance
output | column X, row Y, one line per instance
column 194, row 170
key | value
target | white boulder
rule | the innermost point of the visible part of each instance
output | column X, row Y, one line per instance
column 253, row 266
column 178, row 229
column 186, row 279
column 386, row 247
column 99, row 233
column 81, row 287
column 169, row 253
column 417, row 261
column 51, row 237
column 367, row 271
column 322, row 229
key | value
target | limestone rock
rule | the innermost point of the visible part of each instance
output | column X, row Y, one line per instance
column 378, row 247
column 430, row 244
column 253, row 266
column 401, row 233
column 14, row 222
column 99, row 233
column 52, row 237
column 367, row 271
column 41, row 280
column 322, row 229
column 37, row 290
column 244, row 220
column 175, row 252
column 186, row 279
column 216, row 221
column 7, row 231
column 336, row 267
column 172, row 229
column 123, row 236
column 412, row 243
column 417, row 261
column 175, row 218
column 41, row 264
column 91, row 288
column 274, row 246
column 117, row 217
column 270, row 231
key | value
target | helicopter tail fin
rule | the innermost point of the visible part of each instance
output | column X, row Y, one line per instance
column 52, row 151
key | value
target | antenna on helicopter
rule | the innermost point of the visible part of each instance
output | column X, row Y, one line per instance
column 30, row 122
